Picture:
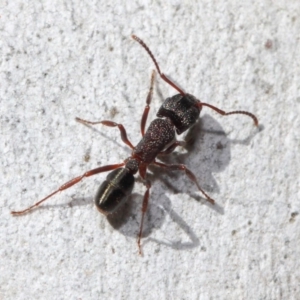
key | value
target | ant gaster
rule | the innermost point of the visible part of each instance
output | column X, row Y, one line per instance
column 177, row 114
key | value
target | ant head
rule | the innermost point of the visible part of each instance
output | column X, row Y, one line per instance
column 182, row 110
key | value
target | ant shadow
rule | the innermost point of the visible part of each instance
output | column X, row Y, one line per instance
column 207, row 152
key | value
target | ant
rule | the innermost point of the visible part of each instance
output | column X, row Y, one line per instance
column 176, row 115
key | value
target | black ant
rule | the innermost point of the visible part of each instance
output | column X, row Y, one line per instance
column 177, row 114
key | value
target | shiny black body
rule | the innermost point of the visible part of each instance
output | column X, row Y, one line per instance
column 177, row 113
column 114, row 190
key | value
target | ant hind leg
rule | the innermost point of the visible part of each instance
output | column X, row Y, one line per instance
column 69, row 184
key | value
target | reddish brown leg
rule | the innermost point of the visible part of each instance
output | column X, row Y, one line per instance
column 144, row 209
column 71, row 183
column 222, row 112
column 147, row 107
column 147, row 183
column 172, row 147
column 110, row 124
column 189, row 173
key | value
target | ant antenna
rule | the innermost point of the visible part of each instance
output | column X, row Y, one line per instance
column 162, row 75
column 200, row 104
column 237, row 112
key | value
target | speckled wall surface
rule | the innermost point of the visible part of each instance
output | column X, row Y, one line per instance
column 61, row 60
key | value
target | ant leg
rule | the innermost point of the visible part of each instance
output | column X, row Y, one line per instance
column 144, row 209
column 110, row 124
column 172, row 147
column 69, row 184
column 147, row 107
column 222, row 112
column 147, row 183
column 189, row 173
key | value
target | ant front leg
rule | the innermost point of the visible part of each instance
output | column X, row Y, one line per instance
column 71, row 183
column 189, row 173
column 148, row 102
column 109, row 124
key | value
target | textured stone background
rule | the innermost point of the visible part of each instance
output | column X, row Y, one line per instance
column 60, row 60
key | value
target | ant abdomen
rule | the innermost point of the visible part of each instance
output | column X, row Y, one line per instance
column 114, row 191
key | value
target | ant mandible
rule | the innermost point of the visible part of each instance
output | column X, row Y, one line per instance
column 177, row 114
